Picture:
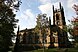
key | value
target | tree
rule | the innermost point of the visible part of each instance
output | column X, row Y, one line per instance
column 42, row 24
column 73, row 27
column 13, row 4
column 7, row 24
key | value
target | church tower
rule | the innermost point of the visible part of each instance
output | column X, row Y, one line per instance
column 58, row 17
column 58, row 37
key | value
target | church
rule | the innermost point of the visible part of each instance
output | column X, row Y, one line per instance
column 49, row 35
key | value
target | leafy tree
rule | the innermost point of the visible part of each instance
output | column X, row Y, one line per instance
column 7, row 24
column 42, row 24
column 73, row 27
column 42, row 21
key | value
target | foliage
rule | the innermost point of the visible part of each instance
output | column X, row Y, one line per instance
column 58, row 50
column 41, row 27
column 13, row 4
column 73, row 27
column 7, row 25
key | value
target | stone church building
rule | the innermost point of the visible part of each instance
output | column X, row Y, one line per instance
column 53, row 35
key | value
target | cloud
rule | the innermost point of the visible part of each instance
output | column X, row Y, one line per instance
column 49, row 1
column 45, row 1
column 27, row 14
column 27, row 19
column 47, row 9
column 70, row 3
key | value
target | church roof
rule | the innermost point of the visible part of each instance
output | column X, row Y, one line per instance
column 27, row 30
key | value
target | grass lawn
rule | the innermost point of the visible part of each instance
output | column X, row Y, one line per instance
column 57, row 50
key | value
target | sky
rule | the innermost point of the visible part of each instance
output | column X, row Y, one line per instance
column 29, row 10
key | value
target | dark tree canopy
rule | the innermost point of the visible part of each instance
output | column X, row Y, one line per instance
column 7, row 24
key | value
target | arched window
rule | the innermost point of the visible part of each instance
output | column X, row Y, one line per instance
column 57, row 16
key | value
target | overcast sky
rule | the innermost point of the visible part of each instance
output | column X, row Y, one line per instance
column 29, row 10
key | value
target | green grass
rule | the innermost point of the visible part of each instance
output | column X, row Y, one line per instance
column 46, row 50
column 57, row 50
